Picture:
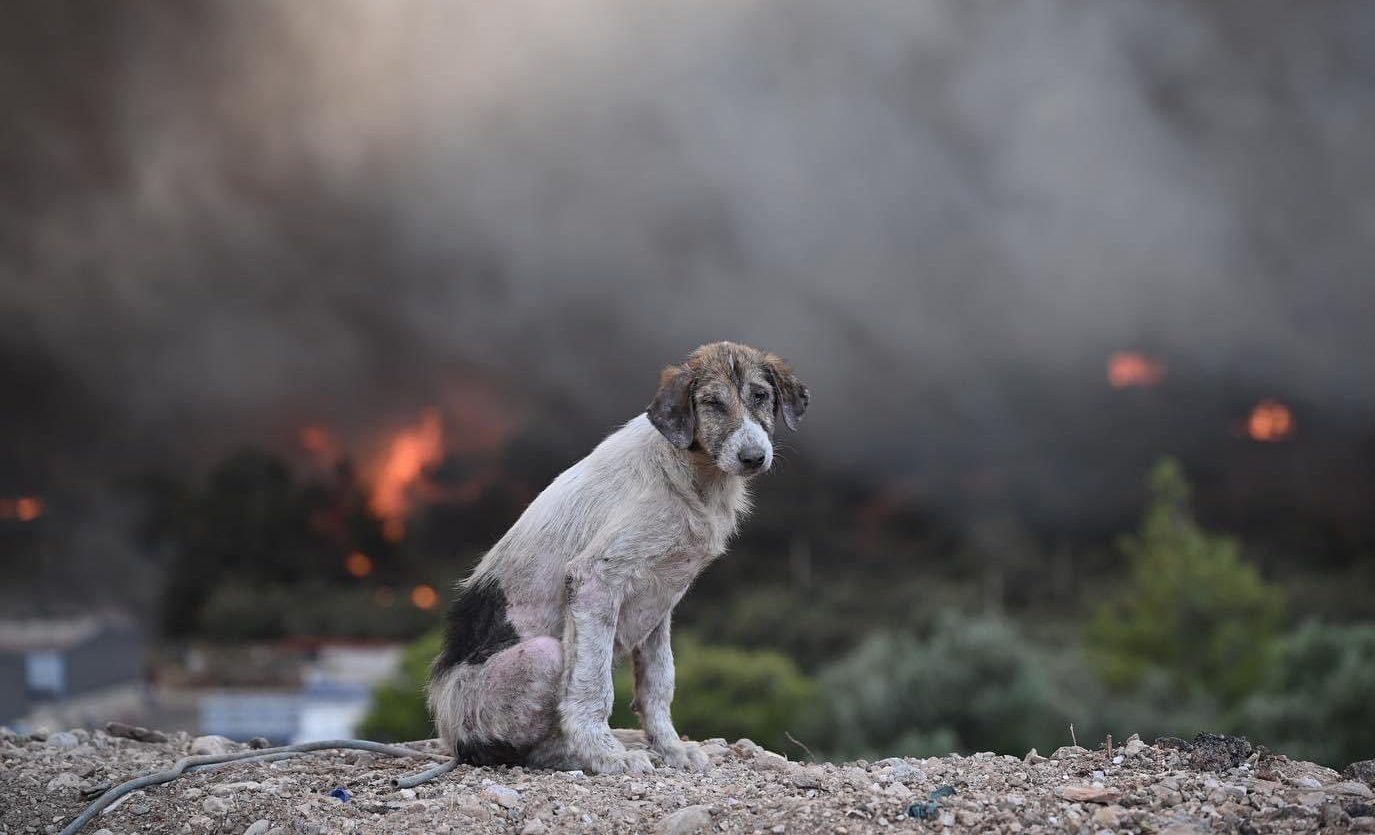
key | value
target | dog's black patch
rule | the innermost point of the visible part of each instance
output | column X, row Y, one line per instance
column 477, row 627
column 489, row 753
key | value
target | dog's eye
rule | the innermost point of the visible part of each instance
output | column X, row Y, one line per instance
column 761, row 396
column 711, row 403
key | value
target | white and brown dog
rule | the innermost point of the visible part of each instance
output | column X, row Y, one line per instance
column 592, row 569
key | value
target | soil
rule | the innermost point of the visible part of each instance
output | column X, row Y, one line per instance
column 1210, row 784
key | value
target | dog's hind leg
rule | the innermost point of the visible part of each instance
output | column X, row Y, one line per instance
column 498, row 711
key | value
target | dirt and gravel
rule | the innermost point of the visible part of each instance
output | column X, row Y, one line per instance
column 1170, row 787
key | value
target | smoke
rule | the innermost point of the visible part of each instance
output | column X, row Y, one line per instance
column 227, row 218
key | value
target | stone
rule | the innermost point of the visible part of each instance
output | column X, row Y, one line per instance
column 534, row 826
column 1363, row 770
column 470, row 808
column 1068, row 752
column 134, row 732
column 258, row 827
column 65, row 740
column 216, row 806
column 503, row 796
column 685, row 821
column 769, row 761
column 1350, row 788
column 1032, row 757
column 211, row 745
column 809, row 778
column 1089, row 794
column 64, row 782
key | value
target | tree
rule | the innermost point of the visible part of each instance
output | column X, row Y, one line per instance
column 1192, row 608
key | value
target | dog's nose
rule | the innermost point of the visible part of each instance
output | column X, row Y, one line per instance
column 752, row 457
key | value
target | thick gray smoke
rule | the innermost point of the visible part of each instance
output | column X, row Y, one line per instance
column 228, row 218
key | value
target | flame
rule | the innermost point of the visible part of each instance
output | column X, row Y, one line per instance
column 1270, row 421
column 358, row 564
column 1128, row 369
column 320, row 443
column 424, row 597
column 406, row 458
column 23, row 508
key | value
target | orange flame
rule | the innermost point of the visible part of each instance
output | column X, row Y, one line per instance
column 409, row 453
column 424, row 597
column 23, row 508
column 320, row 443
column 1270, row 421
column 1128, row 369
column 358, row 564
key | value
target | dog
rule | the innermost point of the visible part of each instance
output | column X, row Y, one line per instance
column 590, row 573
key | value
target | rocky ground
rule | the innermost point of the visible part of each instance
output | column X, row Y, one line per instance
column 1211, row 784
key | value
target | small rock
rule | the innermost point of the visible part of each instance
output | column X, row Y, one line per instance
column 1068, row 752
column 258, row 743
column 503, row 796
column 1032, row 757
column 135, row 733
column 808, row 778
column 1350, row 788
column 1219, row 752
column 534, row 826
column 1306, row 782
column 769, row 761
column 40, row 733
column 216, row 806
column 64, row 782
column 472, row 809
column 1363, row 770
column 103, row 832
column 65, row 740
column 407, row 794
column 137, row 808
column 1089, row 794
column 746, row 748
column 687, row 820
column 258, row 827
column 211, row 745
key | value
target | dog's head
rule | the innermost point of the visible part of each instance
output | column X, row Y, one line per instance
column 724, row 403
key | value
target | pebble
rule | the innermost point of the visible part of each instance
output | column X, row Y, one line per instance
column 504, row 796
column 216, row 806
column 1068, row 752
column 1363, row 770
column 65, row 740
column 212, row 745
column 258, row 827
column 1350, row 788
column 63, row 782
column 687, row 820
column 534, row 826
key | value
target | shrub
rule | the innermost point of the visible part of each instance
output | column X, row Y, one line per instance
column 727, row 692
column 973, row 684
column 1318, row 701
column 398, row 712
column 1192, row 607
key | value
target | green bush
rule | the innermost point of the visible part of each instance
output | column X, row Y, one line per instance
column 1192, row 608
column 398, row 712
column 727, row 692
column 975, row 684
column 1318, row 701
column 721, row 691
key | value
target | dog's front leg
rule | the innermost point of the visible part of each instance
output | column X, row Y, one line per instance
column 654, row 676
column 585, row 705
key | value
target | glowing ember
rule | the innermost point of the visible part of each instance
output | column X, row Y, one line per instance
column 358, row 564
column 1128, row 369
column 406, row 458
column 1270, row 421
column 23, row 508
column 319, row 442
column 424, row 597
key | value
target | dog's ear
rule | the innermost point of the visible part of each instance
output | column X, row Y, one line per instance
column 790, row 397
column 671, row 411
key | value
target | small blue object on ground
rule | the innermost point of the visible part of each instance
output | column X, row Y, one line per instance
column 343, row 794
column 929, row 808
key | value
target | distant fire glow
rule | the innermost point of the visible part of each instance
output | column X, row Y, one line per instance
column 23, row 508
column 424, row 597
column 1132, row 369
column 319, row 442
column 358, row 564
column 406, row 458
column 1270, row 421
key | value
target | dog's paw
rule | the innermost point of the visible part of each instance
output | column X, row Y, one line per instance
column 684, row 755
column 618, row 762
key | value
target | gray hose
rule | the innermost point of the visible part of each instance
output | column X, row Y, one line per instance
column 413, row 780
column 206, row 762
